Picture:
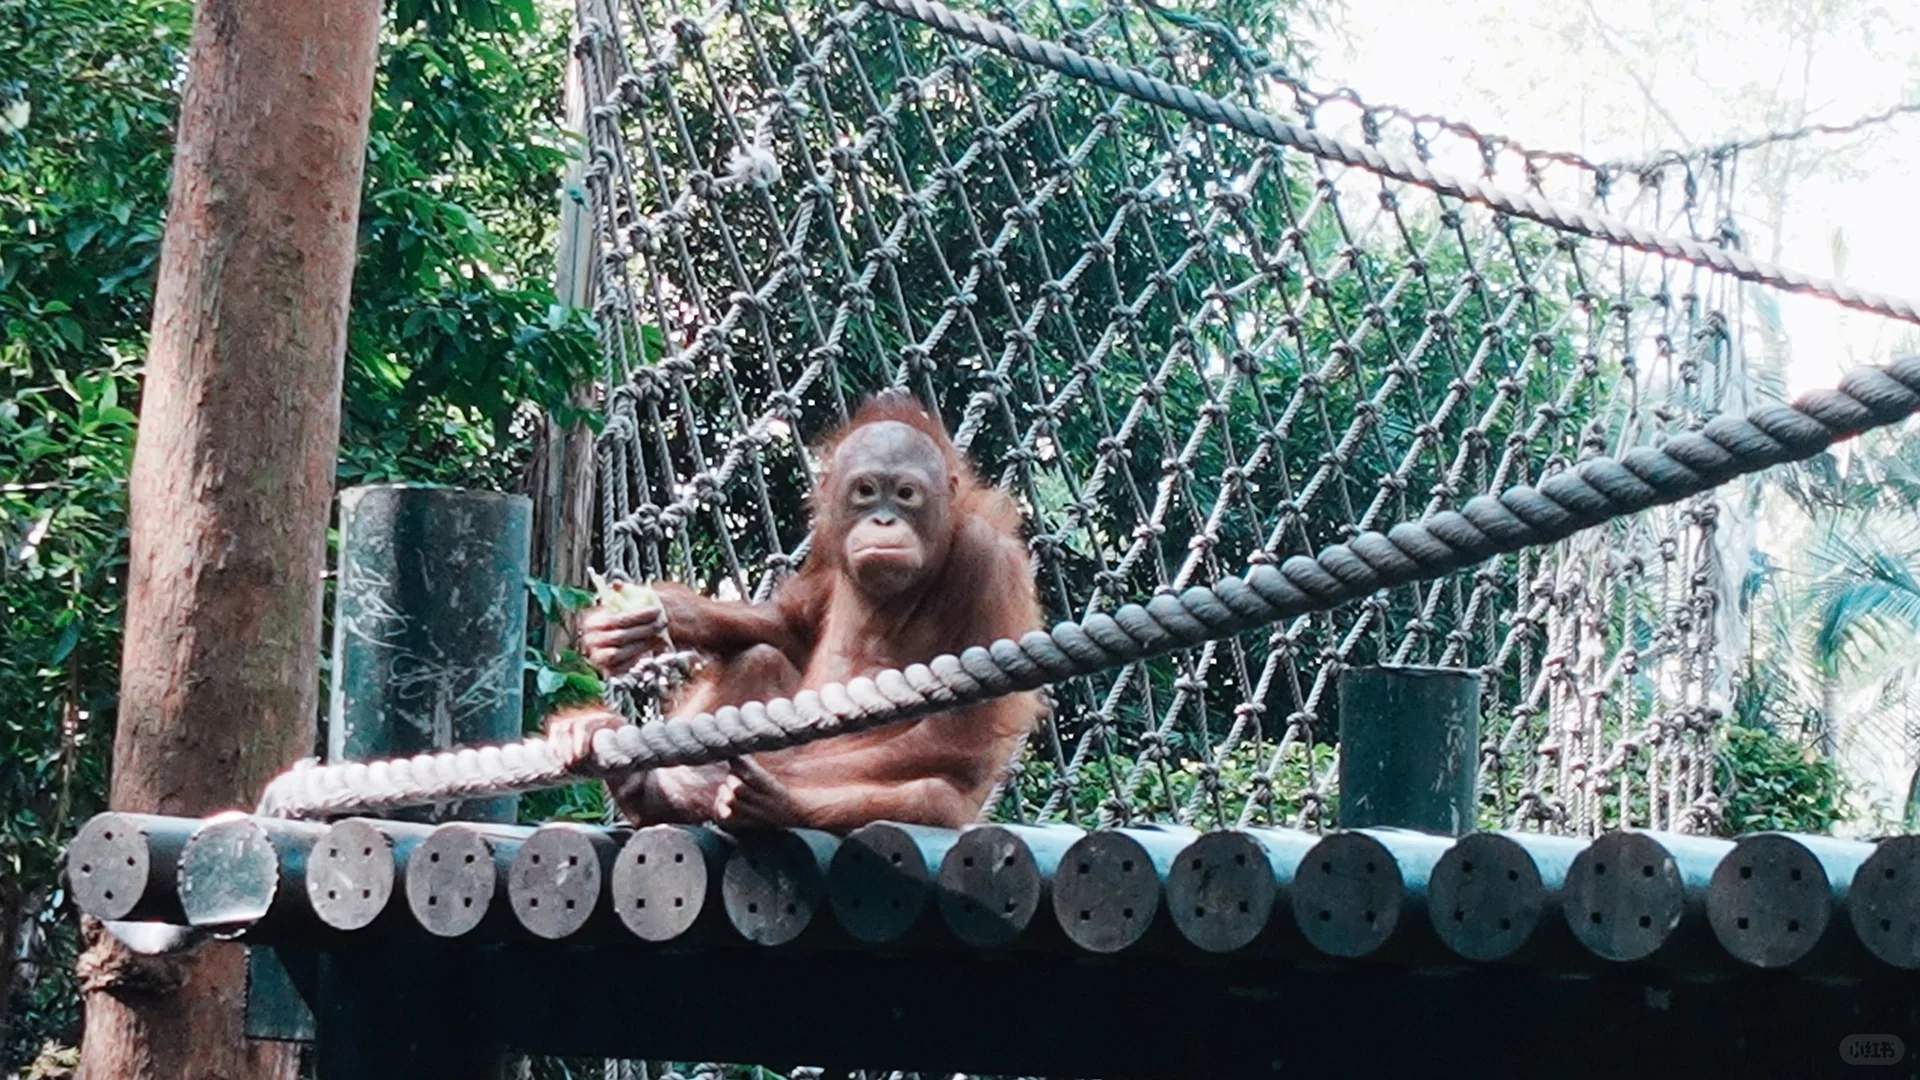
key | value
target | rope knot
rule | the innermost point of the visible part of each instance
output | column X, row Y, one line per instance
column 917, row 358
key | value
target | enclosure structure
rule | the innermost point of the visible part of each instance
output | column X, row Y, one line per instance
column 1199, row 318
column 1045, row 950
column 1197, row 340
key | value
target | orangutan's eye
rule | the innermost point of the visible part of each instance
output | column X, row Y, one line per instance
column 864, row 490
column 908, row 495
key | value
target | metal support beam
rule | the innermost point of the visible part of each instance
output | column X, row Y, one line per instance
column 1039, row 1014
column 1409, row 743
column 430, row 628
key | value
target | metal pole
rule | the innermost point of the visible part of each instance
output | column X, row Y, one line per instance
column 1409, row 741
column 430, row 624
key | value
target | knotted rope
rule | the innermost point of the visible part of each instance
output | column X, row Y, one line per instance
column 1595, row 491
column 1263, row 125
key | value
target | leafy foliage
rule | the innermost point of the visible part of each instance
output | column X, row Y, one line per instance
column 1773, row 782
column 456, row 341
column 1837, row 614
column 86, row 90
column 456, row 346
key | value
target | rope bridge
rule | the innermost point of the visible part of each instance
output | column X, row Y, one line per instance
column 1598, row 490
column 1198, row 341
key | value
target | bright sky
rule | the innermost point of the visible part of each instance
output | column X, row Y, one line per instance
column 1621, row 79
column 1548, row 74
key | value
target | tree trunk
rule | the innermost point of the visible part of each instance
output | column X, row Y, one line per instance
column 13, row 913
column 561, row 487
column 561, row 483
column 232, row 478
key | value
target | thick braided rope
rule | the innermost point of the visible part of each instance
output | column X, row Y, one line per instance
column 1263, row 125
column 1592, row 492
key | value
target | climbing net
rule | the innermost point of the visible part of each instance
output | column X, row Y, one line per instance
column 1188, row 347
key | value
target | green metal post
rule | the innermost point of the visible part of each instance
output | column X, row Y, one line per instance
column 430, row 623
column 1409, row 741
column 430, row 626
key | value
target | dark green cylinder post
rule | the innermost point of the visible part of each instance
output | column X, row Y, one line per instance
column 430, row 626
column 1409, row 743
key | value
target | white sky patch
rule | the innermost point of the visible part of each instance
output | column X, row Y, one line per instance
column 1626, row 78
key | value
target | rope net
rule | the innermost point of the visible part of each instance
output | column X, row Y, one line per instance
column 1186, row 350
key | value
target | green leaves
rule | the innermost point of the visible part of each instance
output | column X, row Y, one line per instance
column 556, row 602
column 455, row 336
column 69, row 637
column 1772, row 782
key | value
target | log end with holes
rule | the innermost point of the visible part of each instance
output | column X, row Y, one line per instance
column 451, row 880
column 1625, row 897
column 1884, row 902
column 1222, row 892
column 350, row 874
column 1348, row 895
column 1770, row 901
column 664, row 879
column 879, row 883
column 990, row 886
column 1485, row 898
column 775, row 885
column 1106, row 892
column 109, row 867
column 554, row 883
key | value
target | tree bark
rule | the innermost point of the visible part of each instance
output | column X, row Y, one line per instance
column 13, row 913
column 561, row 483
column 232, row 479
